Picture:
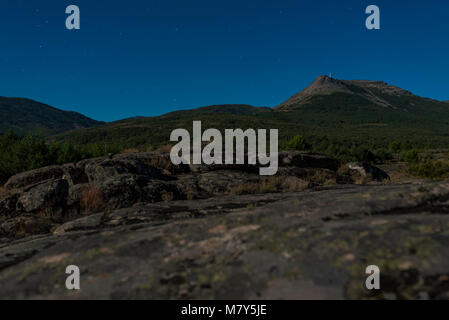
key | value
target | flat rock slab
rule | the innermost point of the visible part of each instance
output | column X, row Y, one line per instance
column 305, row 245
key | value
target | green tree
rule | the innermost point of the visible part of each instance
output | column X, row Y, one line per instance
column 297, row 143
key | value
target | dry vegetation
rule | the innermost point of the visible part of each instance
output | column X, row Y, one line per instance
column 165, row 148
column 324, row 178
column 271, row 185
column 132, row 150
column 396, row 171
column 92, row 199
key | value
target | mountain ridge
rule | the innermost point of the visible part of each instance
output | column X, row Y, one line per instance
column 353, row 112
column 27, row 116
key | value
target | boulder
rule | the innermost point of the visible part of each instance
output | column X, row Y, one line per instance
column 189, row 187
column 8, row 204
column 75, row 194
column 121, row 191
column 365, row 172
column 84, row 223
column 127, row 189
column 157, row 190
column 108, row 168
column 28, row 178
column 22, row 226
column 159, row 160
column 224, row 181
column 46, row 195
column 74, row 174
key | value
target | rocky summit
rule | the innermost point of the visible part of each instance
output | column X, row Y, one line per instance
column 139, row 227
column 373, row 91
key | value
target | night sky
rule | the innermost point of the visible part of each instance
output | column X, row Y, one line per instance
column 146, row 57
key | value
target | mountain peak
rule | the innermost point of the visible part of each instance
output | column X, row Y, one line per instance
column 372, row 91
column 324, row 78
column 322, row 85
column 325, row 85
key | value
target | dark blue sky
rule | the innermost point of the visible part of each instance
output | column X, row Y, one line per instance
column 147, row 57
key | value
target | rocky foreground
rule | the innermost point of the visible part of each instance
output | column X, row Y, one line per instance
column 140, row 228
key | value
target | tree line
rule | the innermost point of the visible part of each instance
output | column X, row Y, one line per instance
column 19, row 154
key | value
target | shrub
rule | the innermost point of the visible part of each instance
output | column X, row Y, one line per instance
column 382, row 155
column 411, row 156
column 297, row 143
column 395, row 147
column 398, row 146
column 64, row 153
column 430, row 169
